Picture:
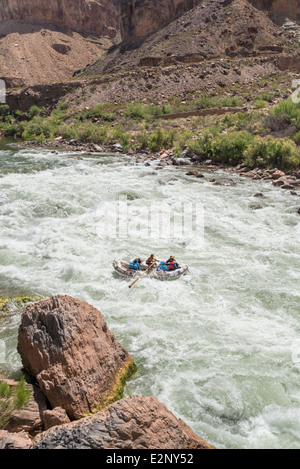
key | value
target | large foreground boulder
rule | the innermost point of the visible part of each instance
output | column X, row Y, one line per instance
column 66, row 345
column 133, row 423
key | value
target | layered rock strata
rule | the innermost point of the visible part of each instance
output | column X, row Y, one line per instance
column 84, row 16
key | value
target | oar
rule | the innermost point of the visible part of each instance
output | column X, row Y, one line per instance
column 130, row 286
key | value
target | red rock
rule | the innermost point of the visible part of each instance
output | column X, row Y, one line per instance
column 29, row 419
column 279, row 182
column 14, row 440
column 57, row 416
column 66, row 345
column 134, row 423
column 278, row 174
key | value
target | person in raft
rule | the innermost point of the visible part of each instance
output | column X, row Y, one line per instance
column 172, row 264
column 169, row 265
column 151, row 260
column 135, row 265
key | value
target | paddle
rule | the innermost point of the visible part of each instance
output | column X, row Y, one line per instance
column 130, row 286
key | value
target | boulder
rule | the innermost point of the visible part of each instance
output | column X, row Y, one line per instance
column 279, row 182
column 57, row 416
column 133, row 423
column 14, row 440
column 278, row 174
column 30, row 418
column 193, row 172
column 224, row 182
column 67, row 347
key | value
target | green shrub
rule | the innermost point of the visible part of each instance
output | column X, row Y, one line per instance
column 5, row 113
column 88, row 132
column 63, row 106
column 207, row 102
column 161, row 139
column 13, row 130
column 252, row 122
column 136, row 111
column 12, row 399
column 229, row 148
column 100, row 111
column 260, row 104
column 272, row 153
column 67, row 131
column 297, row 138
column 34, row 111
column 289, row 109
column 47, row 127
column 229, row 101
column 118, row 135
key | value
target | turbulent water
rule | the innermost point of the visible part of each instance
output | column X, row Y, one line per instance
column 220, row 346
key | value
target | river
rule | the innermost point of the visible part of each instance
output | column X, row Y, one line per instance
column 220, row 346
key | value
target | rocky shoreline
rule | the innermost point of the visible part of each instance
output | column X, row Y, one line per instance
column 76, row 371
column 285, row 180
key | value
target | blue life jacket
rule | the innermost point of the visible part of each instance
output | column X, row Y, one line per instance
column 134, row 265
column 162, row 266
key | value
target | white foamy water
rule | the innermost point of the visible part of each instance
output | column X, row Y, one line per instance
column 220, row 346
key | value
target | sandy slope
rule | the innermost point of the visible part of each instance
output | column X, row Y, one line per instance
column 33, row 54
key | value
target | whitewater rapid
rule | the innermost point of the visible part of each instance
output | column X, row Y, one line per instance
column 220, row 347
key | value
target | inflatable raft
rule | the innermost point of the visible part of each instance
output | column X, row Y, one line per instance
column 122, row 268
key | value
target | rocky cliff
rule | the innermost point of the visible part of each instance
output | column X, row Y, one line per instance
column 48, row 40
column 142, row 17
column 83, row 16
column 280, row 9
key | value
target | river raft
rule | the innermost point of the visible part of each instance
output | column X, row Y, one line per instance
column 122, row 269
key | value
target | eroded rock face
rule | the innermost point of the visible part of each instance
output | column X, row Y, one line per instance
column 134, row 423
column 66, row 345
column 142, row 17
column 84, row 16
column 280, row 9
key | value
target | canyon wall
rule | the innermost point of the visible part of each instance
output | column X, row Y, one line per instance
column 96, row 17
column 280, row 9
column 140, row 18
